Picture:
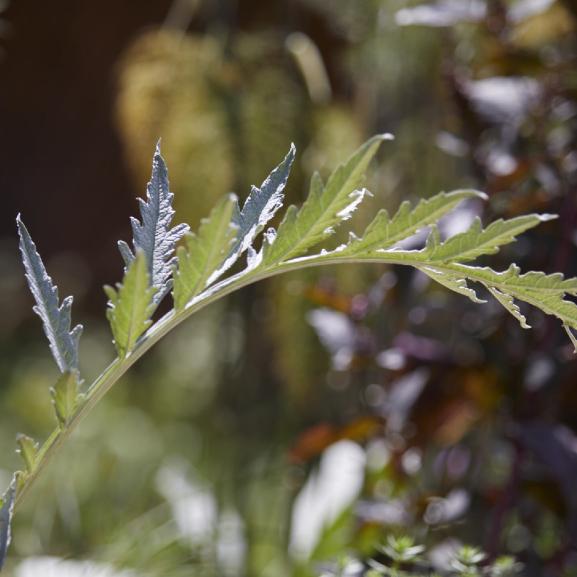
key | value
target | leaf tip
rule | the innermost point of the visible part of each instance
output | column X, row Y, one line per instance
column 546, row 217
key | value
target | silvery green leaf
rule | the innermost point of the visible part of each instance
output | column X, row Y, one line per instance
column 260, row 206
column 65, row 396
column 131, row 305
column 325, row 207
column 28, row 450
column 262, row 203
column 204, row 253
column 153, row 235
column 6, row 514
column 55, row 318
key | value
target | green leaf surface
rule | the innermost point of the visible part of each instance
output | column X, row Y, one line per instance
column 477, row 241
column 65, row 396
column 325, row 207
column 452, row 282
column 28, row 449
column 204, row 253
column 509, row 304
column 385, row 231
column 131, row 305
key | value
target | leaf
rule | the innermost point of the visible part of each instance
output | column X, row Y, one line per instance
column 325, row 207
column 28, row 450
column 65, row 396
column 154, row 236
column 545, row 292
column 260, row 206
column 55, row 318
column 477, row 241
column 452, row 282
column 204, row 253
column 508, row 302
column 533, row 281
column 571, row 336
column 385, row 232
column 131, row 305
column 6, row 514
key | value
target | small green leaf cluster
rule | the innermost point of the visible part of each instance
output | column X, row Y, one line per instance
column 202, row 269
column 406, row 559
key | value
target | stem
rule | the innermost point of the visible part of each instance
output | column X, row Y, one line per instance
column 163, row 326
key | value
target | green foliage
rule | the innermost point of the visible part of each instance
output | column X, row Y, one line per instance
column 28, row 450
column 65, row 396
column 199, row 265
column 385, row 231
column 325, row 207
column 403, row 558
column 203, row 254
column 402, row 549
column 131, row 305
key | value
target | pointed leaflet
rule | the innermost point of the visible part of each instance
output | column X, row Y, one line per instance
column 572, row 337
column 477, row 241
column 385, row 232
column 509, row 303
column 325, row 207
column 452, row 282
column 260, row 206
column 55, row 318
column 6, row 514
column 154, row 236
column 65, row 396
column 131, row 305
column 262, row 203
column 205, row 253
column 28, row 450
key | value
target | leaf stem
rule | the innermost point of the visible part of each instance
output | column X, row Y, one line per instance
column 163, row 326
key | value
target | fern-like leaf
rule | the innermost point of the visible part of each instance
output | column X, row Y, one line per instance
column 6, row 514
column 131, row 305
column 325, row 207
column 385, row 232
column 154, row 236
column 204, row 254
column 55, row 317
column 209, row 254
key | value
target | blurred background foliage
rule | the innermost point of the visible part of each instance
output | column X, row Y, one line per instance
column 319, row 413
